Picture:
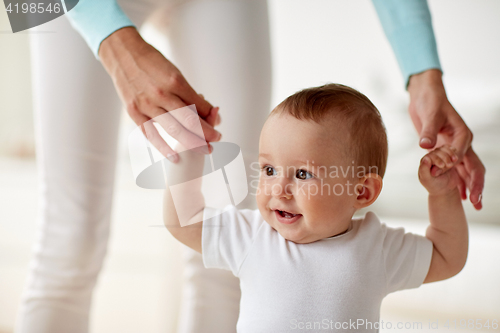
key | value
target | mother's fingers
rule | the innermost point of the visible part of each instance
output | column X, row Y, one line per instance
column 462, row 189
column 214, row 117
column 150, row 132
column 472, row 172
column 464, row 180
column 175, row 129
column 462, row 136
column 432, row 121
column 189, row 96
column 189, row 119
column 192, row 122
column 157, row 141
column 477, row 171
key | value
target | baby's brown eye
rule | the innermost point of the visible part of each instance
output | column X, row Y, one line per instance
column 269, row 171
column 303, row 175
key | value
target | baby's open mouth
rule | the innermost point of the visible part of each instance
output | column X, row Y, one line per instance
column 286, row 217
column 286, row 214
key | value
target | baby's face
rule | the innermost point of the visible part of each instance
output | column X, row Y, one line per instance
column 302, row 192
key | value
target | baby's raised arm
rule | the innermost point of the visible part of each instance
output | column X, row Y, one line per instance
column 448, row 229
column 184, row 204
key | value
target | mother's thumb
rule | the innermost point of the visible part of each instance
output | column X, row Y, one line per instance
column 428, row 135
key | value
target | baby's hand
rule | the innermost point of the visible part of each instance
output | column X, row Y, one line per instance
column 436, row 172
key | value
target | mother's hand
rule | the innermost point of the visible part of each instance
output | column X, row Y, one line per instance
column 438, row 124
column 149, row 86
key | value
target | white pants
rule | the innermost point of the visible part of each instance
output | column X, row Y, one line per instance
column 222, row 48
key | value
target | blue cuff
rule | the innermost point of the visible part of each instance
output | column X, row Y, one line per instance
column 415, row 49
column 408, row 27
column 97, row 19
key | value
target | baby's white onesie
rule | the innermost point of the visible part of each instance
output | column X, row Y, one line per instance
column 331, row 282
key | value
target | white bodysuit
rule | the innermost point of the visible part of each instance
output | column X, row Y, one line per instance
column 335, row 280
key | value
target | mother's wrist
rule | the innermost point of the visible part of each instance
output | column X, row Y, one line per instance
column 428, row 78
column 118, row 47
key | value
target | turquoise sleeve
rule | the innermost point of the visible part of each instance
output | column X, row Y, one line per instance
column 97, row 19
column 408, row 27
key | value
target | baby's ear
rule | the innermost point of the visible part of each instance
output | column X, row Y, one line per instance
column 367, row 190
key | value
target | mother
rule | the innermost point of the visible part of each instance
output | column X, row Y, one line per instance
column 222, row 49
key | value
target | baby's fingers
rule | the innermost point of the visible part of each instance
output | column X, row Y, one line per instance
column 435, row 163
column 424, row 171
column 443, row 159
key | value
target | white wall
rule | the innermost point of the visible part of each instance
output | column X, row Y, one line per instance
column 16, row 120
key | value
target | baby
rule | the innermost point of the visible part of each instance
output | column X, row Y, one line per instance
column 302, row 259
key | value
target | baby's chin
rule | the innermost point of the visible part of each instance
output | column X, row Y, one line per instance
column 298, row 238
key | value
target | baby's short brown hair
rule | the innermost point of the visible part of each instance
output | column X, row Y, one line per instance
column 368, row 139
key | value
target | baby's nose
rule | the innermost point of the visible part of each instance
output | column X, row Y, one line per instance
column 282, row 189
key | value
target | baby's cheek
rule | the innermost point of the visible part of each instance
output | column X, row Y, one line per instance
column 309, row 198
column 306, row 191
column 261, row 194
column 323, row 197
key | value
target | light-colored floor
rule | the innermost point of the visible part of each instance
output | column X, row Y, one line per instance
column 139, row 288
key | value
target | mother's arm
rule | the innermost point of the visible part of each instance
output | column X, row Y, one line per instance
column 148, row 84
column 97, row 19
column 408, row 27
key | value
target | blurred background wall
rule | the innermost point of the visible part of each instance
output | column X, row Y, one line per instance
column 313, row 42
column 16, row 119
